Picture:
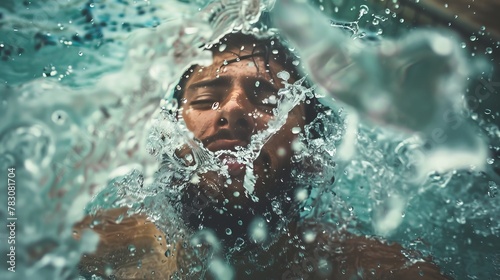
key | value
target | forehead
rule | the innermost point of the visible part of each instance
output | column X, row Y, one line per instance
column 241, row 59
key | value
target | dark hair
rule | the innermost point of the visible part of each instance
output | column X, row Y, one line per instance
column 264, row 47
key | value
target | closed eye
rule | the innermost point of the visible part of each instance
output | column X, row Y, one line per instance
column 204, row 101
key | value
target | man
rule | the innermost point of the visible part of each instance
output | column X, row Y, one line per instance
column 250, row 206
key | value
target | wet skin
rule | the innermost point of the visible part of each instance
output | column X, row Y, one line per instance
column 240, row 111
column 240, row 114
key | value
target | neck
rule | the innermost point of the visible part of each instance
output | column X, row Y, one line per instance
column 253, row 223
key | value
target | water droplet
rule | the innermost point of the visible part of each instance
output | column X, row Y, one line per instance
column 492, row 189
column 489, row 50
column 222, row 47
column 257, row 84
column 229, row 231
column 168, row 253
column 473, row 38
column 188, row 158
column 296, row 62
column 239, row 242
column 363, row 10
column 281, row 152
column 284, row 75
column 309, row 236
column 215, row 106
column 275, row 51
column 131, row 249
column 296, row 130
column 236, row 194
column 301, row 195
column 258, row 230
column 272, row 99
column 80, row 53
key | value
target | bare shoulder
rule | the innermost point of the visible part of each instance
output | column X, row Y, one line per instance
column 371, row 258
column 129, row 247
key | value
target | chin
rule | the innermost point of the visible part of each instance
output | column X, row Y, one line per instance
column 204, row 206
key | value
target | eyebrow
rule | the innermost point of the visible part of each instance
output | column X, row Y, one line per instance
column 264, row 84
column 216, row 82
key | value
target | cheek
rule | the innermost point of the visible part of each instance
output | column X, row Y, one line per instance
column 280, row 145
column 198, row 122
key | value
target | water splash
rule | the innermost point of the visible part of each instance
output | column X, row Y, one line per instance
column 412, row 84
column 95, row 138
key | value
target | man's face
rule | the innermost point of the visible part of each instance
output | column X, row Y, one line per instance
column 224, row 104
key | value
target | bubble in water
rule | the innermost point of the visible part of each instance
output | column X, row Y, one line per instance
column 309, row 236
column 258, row 230
column 301, row 195
column 59, row 117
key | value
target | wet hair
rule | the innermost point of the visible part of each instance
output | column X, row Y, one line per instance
column 268, row 48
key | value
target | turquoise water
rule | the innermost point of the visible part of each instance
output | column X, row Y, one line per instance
column 83, row 84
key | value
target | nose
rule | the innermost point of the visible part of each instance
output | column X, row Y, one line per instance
column 236, row 114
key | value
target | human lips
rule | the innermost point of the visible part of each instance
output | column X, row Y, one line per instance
column 235, row 168
column 225, row 144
